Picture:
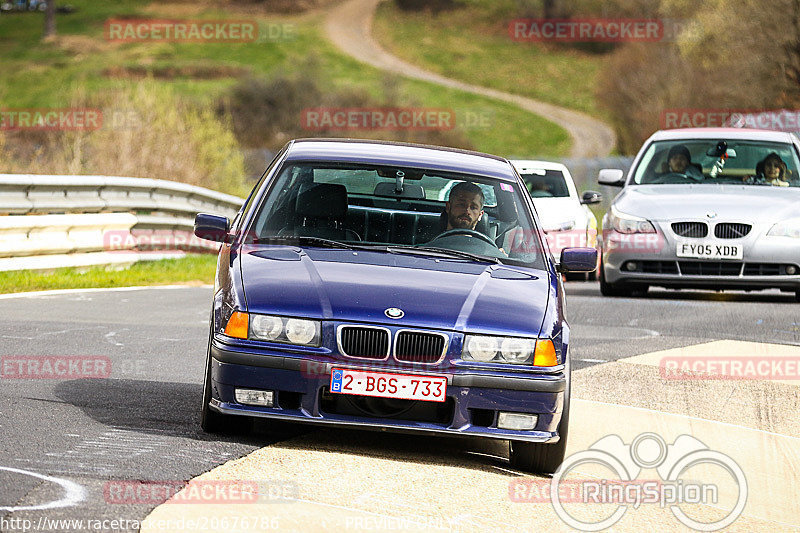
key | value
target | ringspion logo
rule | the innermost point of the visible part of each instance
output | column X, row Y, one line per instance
column 620, row 488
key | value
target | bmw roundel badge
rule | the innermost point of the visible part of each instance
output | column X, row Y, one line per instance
column 394, row 312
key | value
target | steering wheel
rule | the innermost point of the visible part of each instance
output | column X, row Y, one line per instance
column 671, row 176
column 466, row 232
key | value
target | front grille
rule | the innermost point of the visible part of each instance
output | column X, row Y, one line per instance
column 694, row 230
column 359, row 341
column 731, row 230
column 709, row 268
column 419, row 347
column 764, row 269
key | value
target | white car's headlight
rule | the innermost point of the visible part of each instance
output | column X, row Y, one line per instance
column 786, row 228
column 283, row 329
column 515, row 350
column 624, row 223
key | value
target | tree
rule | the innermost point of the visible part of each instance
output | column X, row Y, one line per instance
column 50, row 20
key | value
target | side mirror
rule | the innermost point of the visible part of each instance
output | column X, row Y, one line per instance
column 591, row 197
column 212, row 227
column 578, row 260
column 612, row 177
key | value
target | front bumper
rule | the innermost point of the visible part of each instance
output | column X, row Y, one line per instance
column 762, row 266
column 301, row 386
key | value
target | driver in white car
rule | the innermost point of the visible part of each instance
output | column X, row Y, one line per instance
column 464, row 206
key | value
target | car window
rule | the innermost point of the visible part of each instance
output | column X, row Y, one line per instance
column 545, row 183
column 377, row 205
column 719, row 161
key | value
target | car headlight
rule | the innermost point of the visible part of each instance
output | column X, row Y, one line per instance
column 624, row 223
column 283, row 329
column 515, row 350
column 786, row 228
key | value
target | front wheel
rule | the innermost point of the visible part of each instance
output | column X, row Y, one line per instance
column 212, row 421
column 541, row 457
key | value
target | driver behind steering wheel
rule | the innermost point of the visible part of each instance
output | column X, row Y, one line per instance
column 464, row 206
column 679, row 161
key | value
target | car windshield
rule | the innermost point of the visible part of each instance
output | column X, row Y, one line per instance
column 545, row 183
column 707, row 161
column 400, row 210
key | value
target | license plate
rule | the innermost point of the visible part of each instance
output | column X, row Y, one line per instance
column 387, row 385
column 705, row 250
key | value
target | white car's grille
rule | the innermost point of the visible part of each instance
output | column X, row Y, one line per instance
column 731, row 230
column 696, row 230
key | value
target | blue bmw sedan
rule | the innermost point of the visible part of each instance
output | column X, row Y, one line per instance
column 349, row 294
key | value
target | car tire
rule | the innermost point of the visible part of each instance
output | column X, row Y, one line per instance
column 797, row 296
column 212, row 421
column 540, row 457
column 613, row 289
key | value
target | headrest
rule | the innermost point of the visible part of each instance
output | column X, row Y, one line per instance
column 322, row 200
column 410, row 190
column 506, row 207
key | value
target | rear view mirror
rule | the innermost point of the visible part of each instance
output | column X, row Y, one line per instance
column 612, row 177
column 211, row 227
column 591, row 197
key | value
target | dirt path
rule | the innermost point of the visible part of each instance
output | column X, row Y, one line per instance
column 349, row 26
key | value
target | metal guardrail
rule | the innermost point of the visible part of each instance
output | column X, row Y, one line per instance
column 56, row 221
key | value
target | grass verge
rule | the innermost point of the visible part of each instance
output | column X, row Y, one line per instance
column 471, row 43
column 46, row 75
column 193, row 268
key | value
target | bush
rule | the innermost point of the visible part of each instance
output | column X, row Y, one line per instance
column 266, row 113
column 147, row 132
column 429, row 5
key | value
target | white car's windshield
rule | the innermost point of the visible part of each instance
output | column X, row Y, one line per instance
column 545, row 183
column 362, row 205
column 719, row 161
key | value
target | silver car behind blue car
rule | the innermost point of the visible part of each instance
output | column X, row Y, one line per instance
column 713, row 208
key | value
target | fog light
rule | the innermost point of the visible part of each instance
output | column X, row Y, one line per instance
column 516, row 421
column 631, row 266
column 262, row 398
column 791, row 270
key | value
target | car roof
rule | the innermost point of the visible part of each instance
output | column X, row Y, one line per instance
column 751, row 134
column 400, row 154
column 521, row 164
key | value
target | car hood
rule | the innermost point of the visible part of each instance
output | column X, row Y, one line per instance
column 553, row 212
column 727, row 202
column 359, row 286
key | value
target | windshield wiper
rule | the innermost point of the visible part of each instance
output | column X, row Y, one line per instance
column 303, row 239
column 446, row 252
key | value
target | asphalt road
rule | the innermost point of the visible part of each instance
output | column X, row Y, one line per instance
column 140, row 422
